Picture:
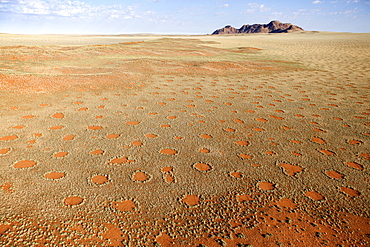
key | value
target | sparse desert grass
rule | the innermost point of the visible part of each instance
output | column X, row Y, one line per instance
column 258, row 140
column 45, row 68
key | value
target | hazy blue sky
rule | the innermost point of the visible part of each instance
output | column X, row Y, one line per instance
column 177, row 16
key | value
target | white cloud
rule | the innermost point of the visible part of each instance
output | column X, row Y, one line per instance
column 256, row 7
column 221, row 13
column 277, row 13
column 64, row 8
column 317, row 2
column 77, row 16
column 349, row 1
column 223, row 6
column 347, row 12
column 299, row 12
column 34, row 7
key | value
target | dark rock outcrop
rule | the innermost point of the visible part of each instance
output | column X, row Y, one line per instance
column 272, row 27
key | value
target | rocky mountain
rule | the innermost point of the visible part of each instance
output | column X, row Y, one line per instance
column 272, row 27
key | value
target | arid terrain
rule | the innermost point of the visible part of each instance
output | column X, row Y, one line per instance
column 222, row 140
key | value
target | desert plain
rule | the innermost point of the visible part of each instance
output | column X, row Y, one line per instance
column 214, row 140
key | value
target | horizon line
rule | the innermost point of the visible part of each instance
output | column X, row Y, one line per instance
column 169, row 34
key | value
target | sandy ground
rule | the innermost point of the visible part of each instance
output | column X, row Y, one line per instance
column 70, row 40
column 254, row 140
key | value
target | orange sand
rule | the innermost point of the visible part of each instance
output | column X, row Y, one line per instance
column 55, row 175
column 251, row 140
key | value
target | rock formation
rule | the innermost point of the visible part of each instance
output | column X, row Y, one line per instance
column 272, row 27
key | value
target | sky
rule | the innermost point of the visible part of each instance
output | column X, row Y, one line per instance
column 177, row 16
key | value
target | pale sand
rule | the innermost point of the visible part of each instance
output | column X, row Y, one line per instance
column 69, row 40
column 180, row 143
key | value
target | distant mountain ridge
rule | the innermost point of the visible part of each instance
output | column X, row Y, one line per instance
column 272, row 27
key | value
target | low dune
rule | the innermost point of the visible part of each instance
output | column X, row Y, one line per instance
column 235, row 140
